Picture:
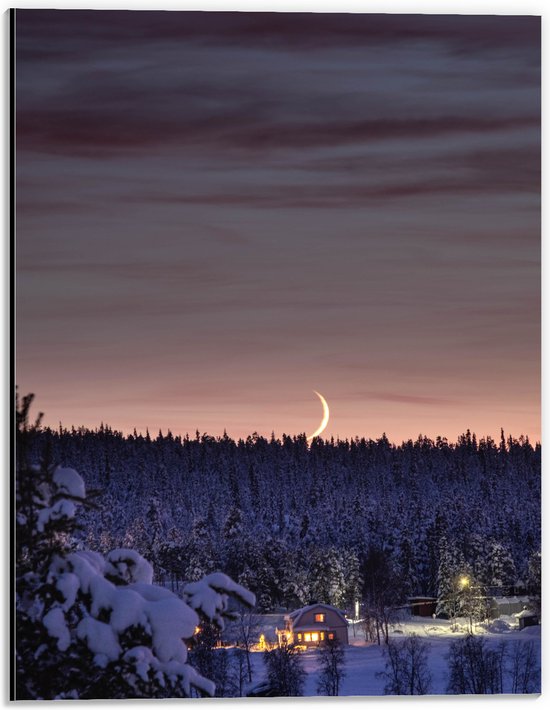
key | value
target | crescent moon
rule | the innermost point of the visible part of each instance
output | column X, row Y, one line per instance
column 324, row 422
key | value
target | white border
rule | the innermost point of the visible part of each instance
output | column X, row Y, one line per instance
column 472, row 7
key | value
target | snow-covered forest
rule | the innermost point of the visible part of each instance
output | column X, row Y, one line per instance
column 127, row 575
column 332, row 522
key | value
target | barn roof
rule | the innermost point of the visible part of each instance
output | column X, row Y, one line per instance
column 295, row 616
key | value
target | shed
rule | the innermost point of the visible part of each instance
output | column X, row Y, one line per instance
column 527, row 617
column 423, row 606
column 314, row 625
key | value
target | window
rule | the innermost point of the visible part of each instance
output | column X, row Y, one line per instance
column 331, row 637
column 322, row 635
column 299, row 637
column 315, row 637
column 319, row 618
column 307, row 637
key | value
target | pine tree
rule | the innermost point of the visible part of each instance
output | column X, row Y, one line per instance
column 499, row 570
column 90, row 626
column 326, row 577
column 451, row 571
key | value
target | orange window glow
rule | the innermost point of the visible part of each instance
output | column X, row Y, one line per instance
column 307, row 637
column 314, row 637
column 319, row 618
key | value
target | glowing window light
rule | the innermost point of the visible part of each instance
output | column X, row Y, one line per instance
column 315, row 637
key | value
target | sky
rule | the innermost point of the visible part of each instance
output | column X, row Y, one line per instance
column 219, row 213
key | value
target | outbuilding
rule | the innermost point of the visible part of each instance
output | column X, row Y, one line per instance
column 527, row 617
column 423, row 606
column 314, row 625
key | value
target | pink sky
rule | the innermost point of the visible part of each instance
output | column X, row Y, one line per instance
column 218, row 214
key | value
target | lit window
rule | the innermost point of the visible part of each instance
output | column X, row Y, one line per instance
column 314, row 637
column 299, row 637
column 322, row 635
column 319, row 618
column 307, row 637
column 331, row 637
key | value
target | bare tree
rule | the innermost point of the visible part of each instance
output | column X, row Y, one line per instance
column 332, row 659
column 474, row 667
column 524, row 668
column 382, row 593
column 248, row 625
column 241, row 671
column 285, row 674
column 370, row 627
column 406, row 671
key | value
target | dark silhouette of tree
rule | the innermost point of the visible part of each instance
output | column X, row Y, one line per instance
column 407, row 671
column 331, row 661
column 285, row 673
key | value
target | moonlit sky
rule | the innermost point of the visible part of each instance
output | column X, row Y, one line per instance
column 219, row 213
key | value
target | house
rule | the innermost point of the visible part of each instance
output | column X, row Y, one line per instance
column 314, row 625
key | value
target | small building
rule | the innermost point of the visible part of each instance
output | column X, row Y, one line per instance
column 527, row 617
column 423, row 606
column 314, row 625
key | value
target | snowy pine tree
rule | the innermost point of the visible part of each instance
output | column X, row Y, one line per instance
column 89, row 626
column 499, row 571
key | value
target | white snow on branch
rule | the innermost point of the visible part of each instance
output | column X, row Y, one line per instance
column 68, row 584
column 62, row 509
column 100, row 638
column 130, row 566
column 115, row 593
column 55, row 623
column 211, row 594
column 70, row 482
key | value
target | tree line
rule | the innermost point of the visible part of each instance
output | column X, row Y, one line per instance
column 335, row 521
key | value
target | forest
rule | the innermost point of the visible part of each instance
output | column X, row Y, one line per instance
column 334, row 521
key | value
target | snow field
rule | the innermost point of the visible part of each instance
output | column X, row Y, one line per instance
column 365, row 660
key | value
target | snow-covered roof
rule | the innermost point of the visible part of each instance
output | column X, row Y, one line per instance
column 295, row 616
column 525, row 613
column 511, row 600
column 422, row 597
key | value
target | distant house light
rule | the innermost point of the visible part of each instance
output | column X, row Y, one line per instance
column 320, row 618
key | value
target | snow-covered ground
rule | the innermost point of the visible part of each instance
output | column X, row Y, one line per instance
column 365, row 660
